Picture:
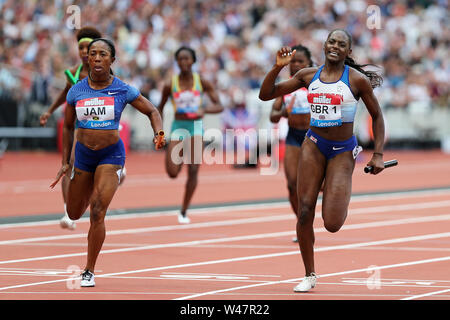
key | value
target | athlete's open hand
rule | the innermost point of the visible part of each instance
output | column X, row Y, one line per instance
column 284, row 56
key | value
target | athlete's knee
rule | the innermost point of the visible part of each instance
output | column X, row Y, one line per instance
column 97, row 211
column 335, row 224
column 292, row 186
column 332, row 226
column 172, row 174
column 74, row 213
column 306, row 214
column 173, row 170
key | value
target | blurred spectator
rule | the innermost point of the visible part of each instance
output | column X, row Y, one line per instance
column 240, row 127
column 236, row 41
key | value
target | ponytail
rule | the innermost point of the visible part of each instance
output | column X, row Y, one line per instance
column 375, row 79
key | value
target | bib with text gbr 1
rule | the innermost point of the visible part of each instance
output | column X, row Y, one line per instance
column 325, row 109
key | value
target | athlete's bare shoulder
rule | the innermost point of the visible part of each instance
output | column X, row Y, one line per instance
column 358, row 80
column 305, row 75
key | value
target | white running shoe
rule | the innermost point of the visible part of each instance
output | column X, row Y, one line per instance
column 87, row 279
column 183, row 219
column 67, row 223
column 307, row 283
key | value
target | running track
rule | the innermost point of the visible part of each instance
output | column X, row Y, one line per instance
column 395, row 244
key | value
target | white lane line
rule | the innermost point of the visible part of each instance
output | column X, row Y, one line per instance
column 42, row 185
column 160, row 228
column 241, row 238
column 397, row 265
column 358, row 211
column 231, row 208
column 271, row 255
column 426, row 295
column 114, row 293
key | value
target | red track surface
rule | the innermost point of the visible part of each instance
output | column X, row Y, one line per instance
column 394, row 245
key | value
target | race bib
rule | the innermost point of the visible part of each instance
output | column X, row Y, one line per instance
column 187, row 101
column 96, row 112
column 325, row 109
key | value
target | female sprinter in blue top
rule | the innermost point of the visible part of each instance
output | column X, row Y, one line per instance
column 84, row 37
column 96, row 103
column 186, row 90
column 330, row 148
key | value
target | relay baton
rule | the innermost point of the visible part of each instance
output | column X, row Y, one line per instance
column 387, row 164
column 70, row 76
column 159, row 139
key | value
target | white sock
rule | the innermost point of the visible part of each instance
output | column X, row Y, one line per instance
column 65, row 212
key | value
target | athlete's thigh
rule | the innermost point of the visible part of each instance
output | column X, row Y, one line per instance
column 106, row 181
column 174, row 155
column 338, row 187
column 311, row 168
column 80, row 190
column 291, row 159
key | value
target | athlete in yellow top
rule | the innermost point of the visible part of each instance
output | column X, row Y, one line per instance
column 186, row 90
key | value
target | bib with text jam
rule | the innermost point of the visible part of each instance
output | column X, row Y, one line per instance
column 100, row 109
column 95, row 112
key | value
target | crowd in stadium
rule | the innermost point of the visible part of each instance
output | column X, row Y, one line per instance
column 235, row 42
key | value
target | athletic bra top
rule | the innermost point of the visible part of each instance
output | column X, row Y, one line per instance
column 187, row 101
column 331, row 103
column 100, row 109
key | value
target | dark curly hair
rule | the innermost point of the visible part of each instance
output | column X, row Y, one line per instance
column 88, row 32
column 306, row 51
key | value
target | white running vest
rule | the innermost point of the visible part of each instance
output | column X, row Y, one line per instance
column 331, row 103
